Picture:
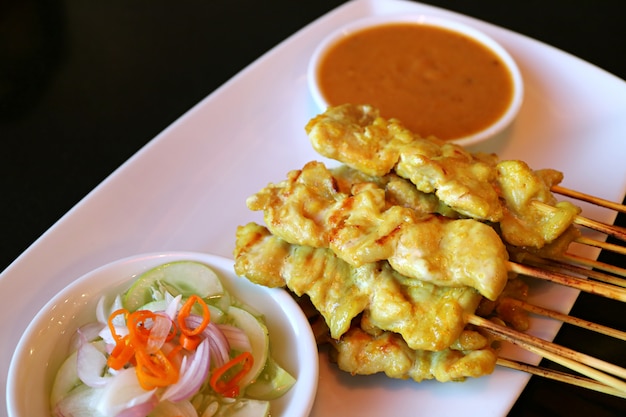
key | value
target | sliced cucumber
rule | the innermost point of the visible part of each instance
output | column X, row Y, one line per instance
column 259, row 340
column 273, row 382
column 182, row 277
column 224, row 302
column 157, row 305
column 245, row 408
column 217, row 315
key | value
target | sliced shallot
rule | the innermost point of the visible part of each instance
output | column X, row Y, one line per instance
column 90, row 363
column 194, row 371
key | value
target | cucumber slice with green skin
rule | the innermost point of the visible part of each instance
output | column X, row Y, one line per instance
column 259, row 340
column 182, row 277
column 273, row 382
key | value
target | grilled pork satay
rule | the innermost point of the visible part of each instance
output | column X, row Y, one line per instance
column 457, row 178
column 524, row 224
column 553, row 250
column 427, row 316
column 359, row 352
column 359, row 241
column 398, row 191
column 330, row 283
column 360, row 138
column 475, row 185
column 361, row 228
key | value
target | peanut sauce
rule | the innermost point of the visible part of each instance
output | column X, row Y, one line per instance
column 436, row 81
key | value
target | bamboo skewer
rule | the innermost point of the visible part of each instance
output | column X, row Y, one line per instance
column 611, row 230
column 579, row 260
column 602, row 245
column 606, row 285
column 561, row 377
column 526, row 340
column 589, row 198
column 569, row 319
column 592, row 287
column 555, row 266
column 584, row 364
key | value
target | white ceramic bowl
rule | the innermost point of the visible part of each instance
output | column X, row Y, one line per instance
column 359, row 25
column 44, row 344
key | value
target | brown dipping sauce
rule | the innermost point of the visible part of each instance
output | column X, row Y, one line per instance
column 436, row 81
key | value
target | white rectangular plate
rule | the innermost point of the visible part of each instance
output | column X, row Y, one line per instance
column 186, row 190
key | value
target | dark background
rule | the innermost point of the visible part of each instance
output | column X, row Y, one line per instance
column 84, row 84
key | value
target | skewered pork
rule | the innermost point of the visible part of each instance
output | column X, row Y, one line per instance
column 361, row 353
column 475, row 185
column 361, row 228
column 405, row 244
column 428, row 316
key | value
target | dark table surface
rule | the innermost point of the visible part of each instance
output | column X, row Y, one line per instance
column 130, row 68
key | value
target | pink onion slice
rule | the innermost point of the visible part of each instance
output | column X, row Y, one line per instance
column 90, row 332
column 219, row 343
column 193, row 373
column 237, row 338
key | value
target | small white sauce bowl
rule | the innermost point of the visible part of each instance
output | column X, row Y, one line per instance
column 349, row 29
column 44, row 344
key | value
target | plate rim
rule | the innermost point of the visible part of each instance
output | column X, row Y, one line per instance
column 360, row 7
